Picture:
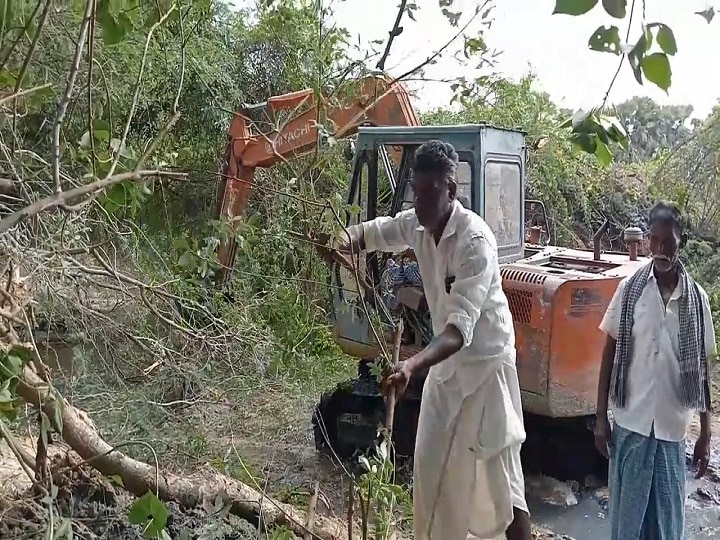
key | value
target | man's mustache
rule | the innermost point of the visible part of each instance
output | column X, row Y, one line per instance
column 662, row 258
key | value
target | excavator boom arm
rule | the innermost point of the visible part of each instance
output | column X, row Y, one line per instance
column 373, row 100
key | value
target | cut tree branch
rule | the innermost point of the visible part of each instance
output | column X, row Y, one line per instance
column 64, row 198
column 65, row 101
column 139, row 477
column 20, row 93
column 442, row 49
column 394, row 32
column 136, row 95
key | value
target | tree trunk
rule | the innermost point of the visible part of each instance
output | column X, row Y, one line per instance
column 189, row 491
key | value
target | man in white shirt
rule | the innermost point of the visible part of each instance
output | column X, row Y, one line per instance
column 467, row 480
column 654, row 370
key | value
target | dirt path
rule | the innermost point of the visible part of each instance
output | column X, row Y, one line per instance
column 264, row 438
column 274, row 443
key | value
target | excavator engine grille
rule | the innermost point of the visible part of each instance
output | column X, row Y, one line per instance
column 520, row 304
column 520, row 300
column 509, row 274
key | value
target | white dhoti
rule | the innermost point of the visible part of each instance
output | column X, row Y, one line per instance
column 467, row 474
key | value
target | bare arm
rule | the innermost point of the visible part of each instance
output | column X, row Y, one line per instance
column 705, row 423
column 711, row 353
column 442, row 347
column 610, row 324
column 357, row 239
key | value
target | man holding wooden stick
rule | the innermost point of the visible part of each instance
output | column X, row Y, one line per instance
column 467, row 481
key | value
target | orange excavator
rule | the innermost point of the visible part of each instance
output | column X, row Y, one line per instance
column 557, row 295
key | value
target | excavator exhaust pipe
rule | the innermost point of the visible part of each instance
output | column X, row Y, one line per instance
column 597, row 237
column 632, row 237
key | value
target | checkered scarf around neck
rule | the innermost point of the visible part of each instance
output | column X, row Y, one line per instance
column 694, row 388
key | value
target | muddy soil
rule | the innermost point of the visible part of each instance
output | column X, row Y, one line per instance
column 559, row 510
column 585, row 518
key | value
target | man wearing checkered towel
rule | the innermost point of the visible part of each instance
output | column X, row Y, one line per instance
column 654, row 373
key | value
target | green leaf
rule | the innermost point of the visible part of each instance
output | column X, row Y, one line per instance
column 605, row 39
column 666, row 39
column 186, row 259
column 643, row 43
column 112, row 32
column 600, row 132
column 573, row 7
column 616, row 8
column 7, row 78
column 614, row 129
column 602, row 153
column 153, row 17
column 6, row 396
column 115, row 198
column 473, row 45
column 151, row 513
column 12, row 366
column 117, row 480
column 708, row 14
column 24, row 353
column 635, row 65
column 453, row 17
column 656, row 68
column 636, row 55
column 579, row 120
column 101, row 125
column 115, row 26
column 583, row 141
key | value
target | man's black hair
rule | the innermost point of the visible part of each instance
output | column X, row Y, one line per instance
column 438, row 157
column 667, row 213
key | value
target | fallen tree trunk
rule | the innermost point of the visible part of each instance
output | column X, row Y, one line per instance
column 189, row 491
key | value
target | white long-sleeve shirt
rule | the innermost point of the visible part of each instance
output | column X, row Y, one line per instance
column 476, row 304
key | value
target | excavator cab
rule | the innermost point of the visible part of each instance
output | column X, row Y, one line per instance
column 491, row 181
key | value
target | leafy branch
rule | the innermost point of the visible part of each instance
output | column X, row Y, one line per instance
column 73, row 199
column 592, row 131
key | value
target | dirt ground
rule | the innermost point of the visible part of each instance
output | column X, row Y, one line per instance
column 261, row 435
column 288, row 470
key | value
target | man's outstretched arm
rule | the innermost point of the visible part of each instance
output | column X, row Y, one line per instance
column 381, row 234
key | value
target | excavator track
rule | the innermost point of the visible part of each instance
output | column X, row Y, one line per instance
column 346, row 421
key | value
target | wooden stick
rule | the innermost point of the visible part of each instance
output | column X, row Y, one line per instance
column 312, row 507
column 351, row 509
column 391, row 396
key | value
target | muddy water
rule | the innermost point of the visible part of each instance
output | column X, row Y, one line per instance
column 588, row 519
